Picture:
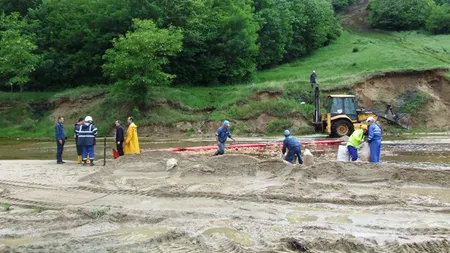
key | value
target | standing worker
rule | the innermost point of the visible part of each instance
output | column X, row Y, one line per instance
column 222, row 135
column 119, row 137
column 79, row 123
column 86, row 138
column 132, row 141
column 374, row 140
column 293, row 145
column 355, row 141
column 312, row 79
column 61, row 138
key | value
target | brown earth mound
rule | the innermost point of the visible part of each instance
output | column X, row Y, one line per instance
column 381, row 90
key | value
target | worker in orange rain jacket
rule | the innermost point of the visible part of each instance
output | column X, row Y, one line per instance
column 131, row 142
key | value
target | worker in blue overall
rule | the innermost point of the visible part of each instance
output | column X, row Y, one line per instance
column 374, row 140
column 294, row 148
column 222, row 135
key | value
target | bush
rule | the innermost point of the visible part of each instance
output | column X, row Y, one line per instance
column 399, row 14
column 339, row 5
column 278, row 125
column 355, row 50
column 439, row 20
column 411, row 101
column 28, row 125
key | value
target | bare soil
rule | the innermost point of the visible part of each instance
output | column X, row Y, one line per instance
column 244, row 201
column 378, row 91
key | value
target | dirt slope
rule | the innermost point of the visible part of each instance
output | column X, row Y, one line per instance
column 380, row 90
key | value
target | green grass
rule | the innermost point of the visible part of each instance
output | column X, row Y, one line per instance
column 78, row 92
column 28, row 97
column 336, row 65
column 5, row 207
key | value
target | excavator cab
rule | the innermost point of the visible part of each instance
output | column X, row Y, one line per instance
column 341, row 115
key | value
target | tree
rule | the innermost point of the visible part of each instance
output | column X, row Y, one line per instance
column 135, row 62
column 314, row 25
column 21, row 6
column 439, row 20
column 339, row 5
column 73, row 35
column 399, row 14
column 219, row 39
column 276, row 31
column 17, row 57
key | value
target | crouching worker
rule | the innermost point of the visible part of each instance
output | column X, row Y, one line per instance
column 293, row 145
column 86, row 138
column 355, row 141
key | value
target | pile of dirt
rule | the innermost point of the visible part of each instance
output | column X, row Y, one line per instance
column 381, row 90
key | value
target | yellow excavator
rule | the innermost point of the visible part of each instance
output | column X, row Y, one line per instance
column 343, row 115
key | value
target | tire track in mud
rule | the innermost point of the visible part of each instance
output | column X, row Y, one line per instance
column 258, row 198
column 428, row 246
column 413, row 231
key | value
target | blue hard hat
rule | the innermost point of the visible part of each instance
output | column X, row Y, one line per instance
column 226, row 123
column 287, row 132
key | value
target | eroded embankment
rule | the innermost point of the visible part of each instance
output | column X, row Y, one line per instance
column 423, row 94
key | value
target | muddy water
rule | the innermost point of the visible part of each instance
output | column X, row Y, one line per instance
column 425, row 151
column 20, row 149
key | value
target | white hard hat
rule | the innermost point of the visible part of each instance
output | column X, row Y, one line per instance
column 370, row 119
column 88, row 118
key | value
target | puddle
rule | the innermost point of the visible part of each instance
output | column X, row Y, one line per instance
column 299, row 218
column 232, row 234
column 339, row 219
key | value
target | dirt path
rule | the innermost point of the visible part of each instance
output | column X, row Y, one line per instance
column 234, row 203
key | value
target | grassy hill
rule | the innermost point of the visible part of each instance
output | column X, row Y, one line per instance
column 275, row 93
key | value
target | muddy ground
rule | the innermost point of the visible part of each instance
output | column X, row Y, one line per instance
column 245, row 201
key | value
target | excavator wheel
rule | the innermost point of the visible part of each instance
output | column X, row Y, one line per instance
column 341, row 127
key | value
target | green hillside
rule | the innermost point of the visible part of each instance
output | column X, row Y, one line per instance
column 348, row 60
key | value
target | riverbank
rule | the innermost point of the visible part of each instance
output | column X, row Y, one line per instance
column 241, row 202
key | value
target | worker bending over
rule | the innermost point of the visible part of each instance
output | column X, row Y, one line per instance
column 293, row 145
column 222, row 135
column 355, row 141
column 374, row 140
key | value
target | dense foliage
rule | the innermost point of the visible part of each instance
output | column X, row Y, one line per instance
column 341, row 4
column 439, row 20
column 17, row 51
column 434, row 15
column 291, row 29
column 136, row 59
column 399, row 14
column 224, row 41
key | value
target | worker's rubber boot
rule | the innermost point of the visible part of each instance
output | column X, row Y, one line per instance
column 80, row 159
column 88, row 161
column 84, row 162
column 92, row 162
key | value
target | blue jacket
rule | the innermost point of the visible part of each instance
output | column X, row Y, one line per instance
column 86, row 134
column 374, row 133
column 223, row 134
column 290, row 143
column 60, row 133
